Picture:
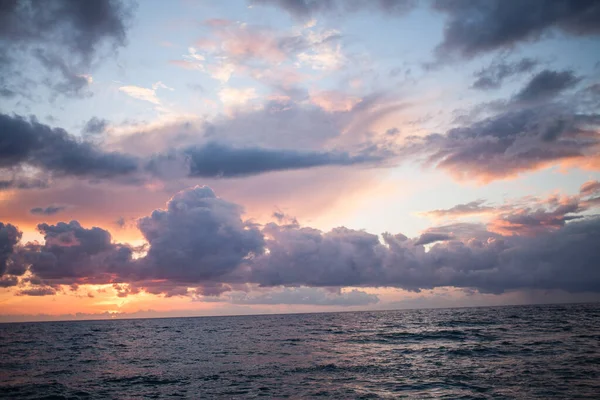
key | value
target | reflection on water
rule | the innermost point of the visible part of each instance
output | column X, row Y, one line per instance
column 515, row 352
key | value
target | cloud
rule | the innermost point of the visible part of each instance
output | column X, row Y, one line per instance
column 432, row 237
column 198, row 237
column 236, row 97
column 510, row 142
column 218, row 160
column 531, row 220
column 9, row 237
column 562, row 259
column 201, row 241
column 334, row 100
column 145, row 94
column 74, row 254
column 8, row 281
column 278, row 123
column 323, row 59
column 306, row 295
column 461, row 210
column 23, row 183
column 70, row 82
column 261, row 53
column 547, row 84
column 64, row 36
column 477, row 27
column 50, row 210
column 497, row 72
column 589, row 188
column 37, row 291
column 527, row 216
column 95, row 126
column 306, row 9
column 30, row 143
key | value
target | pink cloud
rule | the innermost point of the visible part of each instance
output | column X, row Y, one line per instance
column 332, row 100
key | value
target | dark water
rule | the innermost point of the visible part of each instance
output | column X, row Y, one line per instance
column 506, row 352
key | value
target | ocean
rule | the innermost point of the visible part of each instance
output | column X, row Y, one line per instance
column 523, row 352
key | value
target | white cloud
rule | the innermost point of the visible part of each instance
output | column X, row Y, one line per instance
column 145, row 94
column 325, row 58
column 222, row 72
column 236, row 97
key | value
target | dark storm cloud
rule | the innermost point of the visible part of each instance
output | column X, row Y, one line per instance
column 63, row 35
column 9, row 237
column 547, row 84
column 28, row 142
column 474, row 27
column 510, row 142
column 306, row 295
column 217, row 160
column 198, row 237
column 304, row 9
column 95, row 126
column 496, row 73
column 49, row 210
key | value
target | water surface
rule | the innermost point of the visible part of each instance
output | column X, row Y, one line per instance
column 550, row 351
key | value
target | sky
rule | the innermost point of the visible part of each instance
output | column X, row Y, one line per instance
column 192, row 158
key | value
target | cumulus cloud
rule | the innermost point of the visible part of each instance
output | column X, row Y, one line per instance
column 494, row 264
column 201, row 241
column 9, row 237
column 74, row 254
column 198, row 237
column 498, row 71
column 30, row 143
column 64, row 36
column 477, row 27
